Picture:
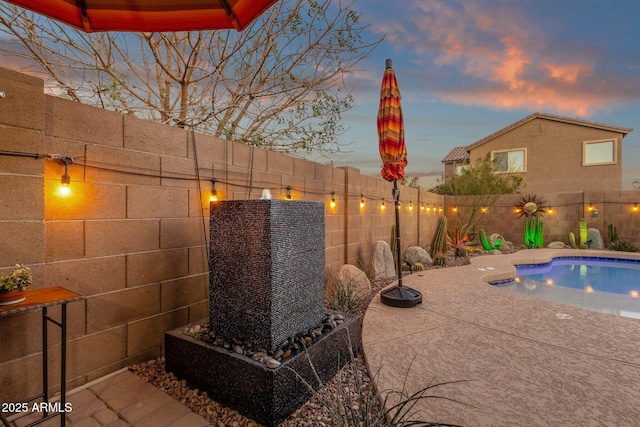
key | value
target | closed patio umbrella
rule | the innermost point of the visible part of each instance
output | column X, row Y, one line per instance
column 150, row 15
column 393, row 152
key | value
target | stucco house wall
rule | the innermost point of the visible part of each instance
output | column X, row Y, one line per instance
column 554, row 153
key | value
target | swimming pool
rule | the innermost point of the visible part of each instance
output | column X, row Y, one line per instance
column 607, row 285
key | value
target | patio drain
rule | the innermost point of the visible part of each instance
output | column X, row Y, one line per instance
column 564, row 316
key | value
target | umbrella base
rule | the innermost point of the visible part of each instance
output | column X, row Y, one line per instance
column 401, row 296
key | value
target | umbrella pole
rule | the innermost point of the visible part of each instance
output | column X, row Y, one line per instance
column 399, row 296
column 396, row 199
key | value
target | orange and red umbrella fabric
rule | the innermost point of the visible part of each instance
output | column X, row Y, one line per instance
column 393, row 150
column 150, row 15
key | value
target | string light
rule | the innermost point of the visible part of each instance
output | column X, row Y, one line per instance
column 214, row 192
column 64, row 189
column 382, row 205
column 332, row 204
column 421, row 206
column 550, row 210
column 361, row 201
column 289, row 196
column 635, row 207
column 410, row 206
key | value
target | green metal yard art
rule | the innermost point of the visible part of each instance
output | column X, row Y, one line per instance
column 532, row 208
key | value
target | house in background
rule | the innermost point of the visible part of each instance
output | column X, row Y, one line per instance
column 552, row 153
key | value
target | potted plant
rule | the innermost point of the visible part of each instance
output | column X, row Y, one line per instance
column 14, row 286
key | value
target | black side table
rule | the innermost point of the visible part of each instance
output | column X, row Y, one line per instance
column 41, row 299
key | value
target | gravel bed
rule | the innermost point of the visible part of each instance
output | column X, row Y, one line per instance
column 314, row 413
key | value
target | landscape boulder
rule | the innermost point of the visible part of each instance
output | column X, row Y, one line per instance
column 594, row 235
column 354, row 279
column 417, row 254
column 556, row 245
column 382, row 262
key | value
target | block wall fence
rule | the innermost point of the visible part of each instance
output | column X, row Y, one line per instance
column 132, row 235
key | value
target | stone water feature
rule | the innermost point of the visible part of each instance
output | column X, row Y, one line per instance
column 266, row 293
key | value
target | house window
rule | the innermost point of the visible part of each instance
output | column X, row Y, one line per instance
column 459, row 168
column 509, row 161
column 599, row 153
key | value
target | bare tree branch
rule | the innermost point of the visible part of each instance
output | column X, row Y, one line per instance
column 278, row 84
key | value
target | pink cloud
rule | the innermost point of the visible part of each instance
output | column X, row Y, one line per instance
column 504, row 56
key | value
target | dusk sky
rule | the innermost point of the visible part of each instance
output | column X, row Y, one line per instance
column 469, row 68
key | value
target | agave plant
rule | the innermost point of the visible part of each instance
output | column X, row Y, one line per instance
column 623, row 246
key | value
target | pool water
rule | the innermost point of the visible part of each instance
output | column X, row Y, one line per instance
column 601, row 284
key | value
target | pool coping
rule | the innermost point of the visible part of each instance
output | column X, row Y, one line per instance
column 521, row 360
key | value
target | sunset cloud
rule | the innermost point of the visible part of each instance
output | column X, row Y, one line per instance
column 494, row 54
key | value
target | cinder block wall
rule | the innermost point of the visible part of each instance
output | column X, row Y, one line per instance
column 614, row 207
column 131, row 235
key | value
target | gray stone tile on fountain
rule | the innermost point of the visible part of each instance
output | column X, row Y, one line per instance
column 509, row 380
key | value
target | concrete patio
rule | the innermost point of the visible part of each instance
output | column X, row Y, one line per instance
column 522, row 361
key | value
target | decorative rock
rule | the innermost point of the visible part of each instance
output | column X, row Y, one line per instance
column 287, row 348
column 417, row 254
column 594, row 235
column 273, row 363
column 556, row 245
column 382, row 262
column 259, row 355
column 507, row 248
column 494, row 252
column 353, row 279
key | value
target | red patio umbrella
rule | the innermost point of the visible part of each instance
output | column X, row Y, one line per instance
column 150, row 15
column 393, row 152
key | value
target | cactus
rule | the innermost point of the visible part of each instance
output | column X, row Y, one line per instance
column 484, row 241
column 533, row 237
column 572, row 240
column 612, row 234
column 439, row 261
column 439, row 241
column 582, row 226
column 498, row 244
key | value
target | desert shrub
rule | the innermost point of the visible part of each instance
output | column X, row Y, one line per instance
column 344, row 296
column 356, row 403
column 623, row 246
